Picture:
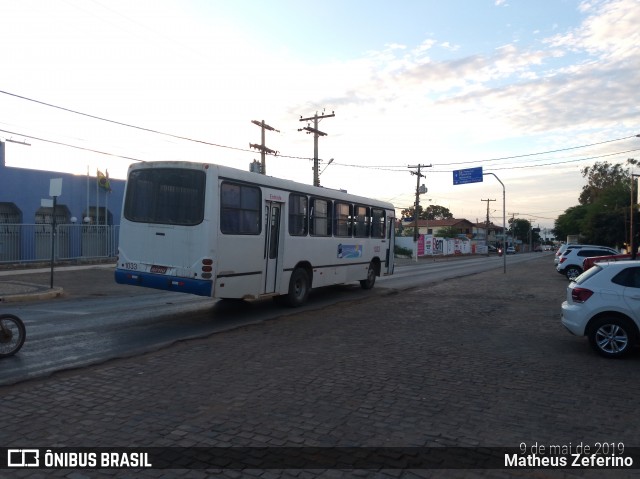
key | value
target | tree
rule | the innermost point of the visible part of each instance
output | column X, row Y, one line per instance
column 601, row 177
column 602, row 215
column 570, row 222
column 408, row 212
column 433, row 212
column 437, row 212
column 523, row 230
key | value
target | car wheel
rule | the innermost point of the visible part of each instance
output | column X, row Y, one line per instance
column 572, row 272
column 612, row 337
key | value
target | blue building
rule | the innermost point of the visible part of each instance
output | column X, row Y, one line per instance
column 92, row 204
column 22, row 189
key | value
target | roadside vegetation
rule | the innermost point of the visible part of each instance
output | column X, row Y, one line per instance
column 604, row 207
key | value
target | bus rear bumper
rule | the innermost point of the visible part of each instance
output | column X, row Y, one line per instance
column 198, row 287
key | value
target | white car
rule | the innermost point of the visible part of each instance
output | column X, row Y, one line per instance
column 559, row 253
column 603, row 304
column 570, row 263
column 564, row 247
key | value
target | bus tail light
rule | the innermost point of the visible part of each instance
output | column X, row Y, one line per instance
column 207, row 267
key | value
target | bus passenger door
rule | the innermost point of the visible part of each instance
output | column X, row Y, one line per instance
column 272, row 244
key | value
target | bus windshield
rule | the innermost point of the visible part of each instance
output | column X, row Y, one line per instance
column 172, row 196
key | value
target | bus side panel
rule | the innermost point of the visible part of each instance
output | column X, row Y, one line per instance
column 333, row 260
column 239, row 271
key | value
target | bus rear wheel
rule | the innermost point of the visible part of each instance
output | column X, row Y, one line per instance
column 299, row 287
column 371, row 277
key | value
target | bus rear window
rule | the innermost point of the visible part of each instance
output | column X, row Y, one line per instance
column 172, row 196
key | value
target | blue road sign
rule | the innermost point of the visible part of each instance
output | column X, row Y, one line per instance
column 470, row 175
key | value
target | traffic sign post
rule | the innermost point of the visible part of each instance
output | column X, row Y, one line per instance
column 475, row 175
column 55, row 190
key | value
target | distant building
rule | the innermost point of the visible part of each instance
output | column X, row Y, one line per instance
column 492, row 234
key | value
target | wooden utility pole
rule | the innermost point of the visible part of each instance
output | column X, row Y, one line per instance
column 263, row 149
column 487, row 231
column 316, row 134
column 418, row 191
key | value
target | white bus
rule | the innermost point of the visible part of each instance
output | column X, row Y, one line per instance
column 221, row 232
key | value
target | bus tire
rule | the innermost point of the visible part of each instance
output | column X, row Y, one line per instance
column 371, row 277
column 299, row 287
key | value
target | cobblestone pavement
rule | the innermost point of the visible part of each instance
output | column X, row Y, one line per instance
column 478, row 361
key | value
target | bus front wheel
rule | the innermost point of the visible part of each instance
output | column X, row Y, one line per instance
column 371, row 277
column 299, row 287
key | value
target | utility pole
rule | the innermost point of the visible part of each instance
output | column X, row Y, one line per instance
column 417, row 205
column 633, row 245
column 487, row 230
column 263, row 149
column 316, row 134
column 513, row 220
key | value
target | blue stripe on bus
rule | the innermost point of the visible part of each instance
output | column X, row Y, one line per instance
column 168, row 283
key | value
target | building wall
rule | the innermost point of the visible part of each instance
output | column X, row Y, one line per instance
column 26, row 188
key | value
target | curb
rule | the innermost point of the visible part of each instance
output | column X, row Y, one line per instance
column 41, row 293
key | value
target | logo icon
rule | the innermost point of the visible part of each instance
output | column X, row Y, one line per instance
column 23, row 458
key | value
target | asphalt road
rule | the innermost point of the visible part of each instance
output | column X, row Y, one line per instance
column 98, row 320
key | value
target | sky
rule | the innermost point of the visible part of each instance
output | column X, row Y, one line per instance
column 532, row 92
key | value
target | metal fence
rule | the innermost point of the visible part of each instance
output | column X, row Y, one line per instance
column 33, row 242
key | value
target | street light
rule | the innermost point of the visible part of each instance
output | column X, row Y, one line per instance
column 504, row 221
column 327, row 165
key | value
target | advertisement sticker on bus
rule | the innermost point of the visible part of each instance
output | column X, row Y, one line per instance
column 350, row 251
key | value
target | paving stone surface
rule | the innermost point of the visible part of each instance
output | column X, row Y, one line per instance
column 479, row 361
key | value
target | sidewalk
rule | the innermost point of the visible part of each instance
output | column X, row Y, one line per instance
column 19, row 291
column 34, row 284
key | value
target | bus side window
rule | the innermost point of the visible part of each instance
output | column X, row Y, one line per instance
column 298, row 220
column 362, row 222
column 320, row 217
column 240, row 211
column 377, row 223
column 342, row 219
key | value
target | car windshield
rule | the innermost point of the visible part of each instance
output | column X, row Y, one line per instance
column 595, row 269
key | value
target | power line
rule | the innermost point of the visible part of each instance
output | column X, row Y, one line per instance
column 150, row 130
column 542, row 152
column 71, row 146
column 563, row 162
column 396, row 168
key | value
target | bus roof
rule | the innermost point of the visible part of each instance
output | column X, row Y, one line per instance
column 269, row 181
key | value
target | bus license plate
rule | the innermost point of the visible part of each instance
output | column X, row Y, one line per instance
column 158, row 269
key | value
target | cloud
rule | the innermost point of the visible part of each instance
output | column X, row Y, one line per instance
column 609, row 32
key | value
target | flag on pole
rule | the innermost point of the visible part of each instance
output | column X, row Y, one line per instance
column 103, row 181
